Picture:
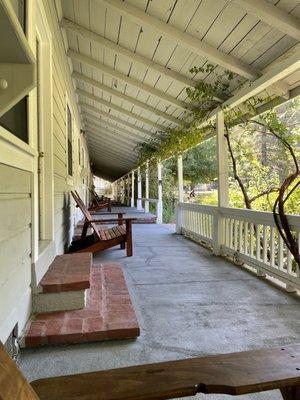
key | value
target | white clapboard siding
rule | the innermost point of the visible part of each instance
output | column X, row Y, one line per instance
column 15, row 247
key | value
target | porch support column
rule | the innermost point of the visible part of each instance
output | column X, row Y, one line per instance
column 132, row 189
column 159, row 207
column 128, row 190
column 122, row 190
column 223, row 188
column 180, row 193
column 139, row 190
column 147, row 187
column 180, row 178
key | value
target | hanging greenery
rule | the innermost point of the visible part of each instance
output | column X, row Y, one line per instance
column 203, row 99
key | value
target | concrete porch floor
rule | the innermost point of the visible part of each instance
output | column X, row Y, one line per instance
column 188, row 303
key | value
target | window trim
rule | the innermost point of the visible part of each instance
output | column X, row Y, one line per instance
column 69, row 108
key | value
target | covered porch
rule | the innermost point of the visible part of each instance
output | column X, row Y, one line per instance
column 143, row 271
column 189, row 302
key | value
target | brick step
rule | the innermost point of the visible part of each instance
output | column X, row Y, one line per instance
column 108, row 314
column 64, row 285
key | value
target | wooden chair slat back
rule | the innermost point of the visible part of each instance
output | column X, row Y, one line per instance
column 85, row 211
column 13, row 385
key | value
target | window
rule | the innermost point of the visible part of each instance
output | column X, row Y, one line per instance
column 19, row 7
column 82, row 157
column 15, row 120
column 69, row 143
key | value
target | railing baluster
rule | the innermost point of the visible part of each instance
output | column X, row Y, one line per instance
column 289, row 262
column 241, row 225
column 280, row 252
column 257, row 242
column 246, row 238
column 272, row 247
column 231, row 233
column 251, row 240
column 257, row 239
column 235, row 234
column 265, row 244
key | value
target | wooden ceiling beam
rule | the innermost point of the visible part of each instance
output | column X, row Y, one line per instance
column 109, row 160
column 120, row 109
column 130, row 55
column 272, row 16
column 111, row 152
column 184, row 39
column 124, row 97
column 102, row 136
column 116, row 119
column 116, row 128
column 74, row 55
column 117, row 133
column 111, row 144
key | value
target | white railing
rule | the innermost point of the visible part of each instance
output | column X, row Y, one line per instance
column 247, row 236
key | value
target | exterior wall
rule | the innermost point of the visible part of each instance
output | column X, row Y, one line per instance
column 15, row 247
column 25, row 203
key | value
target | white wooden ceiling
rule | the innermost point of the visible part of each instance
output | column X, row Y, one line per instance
column 130, row 70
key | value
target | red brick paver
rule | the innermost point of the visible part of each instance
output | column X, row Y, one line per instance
column 67, row 273
column 109, row 314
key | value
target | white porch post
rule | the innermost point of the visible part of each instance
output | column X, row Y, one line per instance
column 159, row 207
column 132, row 189
column 223, row 188
column 147, row 187
column 128, row 190
column 139, row 190
column 180, row 193
column 122, row 190
column 222, row 157
column 180, row 178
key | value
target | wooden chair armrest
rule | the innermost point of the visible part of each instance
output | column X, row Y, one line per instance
column 100, row 221
column 110, row 213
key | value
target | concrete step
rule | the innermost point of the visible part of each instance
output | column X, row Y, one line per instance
column 109, row 314
column 64, row 285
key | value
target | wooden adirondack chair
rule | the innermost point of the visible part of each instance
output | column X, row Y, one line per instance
column 98, row 204
column 234, row 374
column 102, row 239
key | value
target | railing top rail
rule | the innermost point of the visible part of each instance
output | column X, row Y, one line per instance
column 254, row 216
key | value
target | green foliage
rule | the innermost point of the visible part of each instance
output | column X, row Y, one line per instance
column 260, row 145
column 200, row 164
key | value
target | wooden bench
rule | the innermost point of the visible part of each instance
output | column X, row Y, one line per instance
column 104, row 238
column 234, row 374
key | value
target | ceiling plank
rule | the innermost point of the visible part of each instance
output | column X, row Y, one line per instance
column 74, row 55
column 111, row 145
column 101, row 136
column 113, row 118
column 109, row 160
column 90, row 119
column 112, row 153
column 272, row 16
column 90, row 124
column 122, row 96
column 120, row 109
column 132, row 56
column 184, row 39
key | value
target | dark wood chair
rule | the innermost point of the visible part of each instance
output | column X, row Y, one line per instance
column 234, row 374
column 98, row 204
column 104, row 238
